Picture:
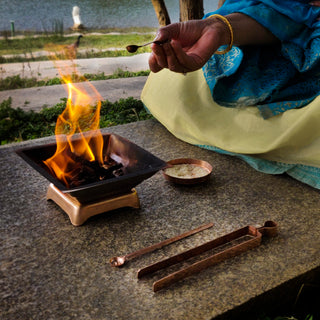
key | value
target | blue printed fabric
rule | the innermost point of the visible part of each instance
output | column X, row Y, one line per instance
column 277, row 78
column 306, row 174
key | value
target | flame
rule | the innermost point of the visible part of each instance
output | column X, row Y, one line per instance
column 77, row 130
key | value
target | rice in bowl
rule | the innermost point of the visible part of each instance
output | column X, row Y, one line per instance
column 186, row 171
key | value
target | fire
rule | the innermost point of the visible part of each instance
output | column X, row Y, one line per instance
column 77, row 131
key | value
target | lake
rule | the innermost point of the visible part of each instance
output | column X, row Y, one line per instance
column 35, row 15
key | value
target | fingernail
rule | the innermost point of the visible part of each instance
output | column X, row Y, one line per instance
column 157, row 36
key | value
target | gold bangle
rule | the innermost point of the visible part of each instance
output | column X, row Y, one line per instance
column 227, row 23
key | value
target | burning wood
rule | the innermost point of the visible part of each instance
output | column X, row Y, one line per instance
column 89, row 172
column 86, row 171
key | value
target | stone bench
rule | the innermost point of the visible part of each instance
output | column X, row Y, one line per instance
column 53, row 270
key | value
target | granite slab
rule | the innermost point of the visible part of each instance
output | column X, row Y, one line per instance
column 51, row 269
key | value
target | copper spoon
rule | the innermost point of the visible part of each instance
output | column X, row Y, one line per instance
column 119, row 261
column 133, row 48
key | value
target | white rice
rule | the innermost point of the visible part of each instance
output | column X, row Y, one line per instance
column 186, row 171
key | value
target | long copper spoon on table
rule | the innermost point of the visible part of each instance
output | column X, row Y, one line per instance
column 133, row 47
column 119, row 261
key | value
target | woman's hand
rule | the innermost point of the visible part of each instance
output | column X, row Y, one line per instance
column 192, row 44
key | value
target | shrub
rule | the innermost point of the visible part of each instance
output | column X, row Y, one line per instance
column 18, row 125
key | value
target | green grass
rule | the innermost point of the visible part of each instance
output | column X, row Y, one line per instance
column 17, row 45
column 56, row 31
column 18, row 125
column 23, row 49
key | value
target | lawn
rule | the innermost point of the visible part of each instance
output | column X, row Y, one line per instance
column 112, row 44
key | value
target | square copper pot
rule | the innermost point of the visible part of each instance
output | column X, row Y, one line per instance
column 138, row 165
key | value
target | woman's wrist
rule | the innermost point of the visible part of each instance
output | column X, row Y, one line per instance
column 221, row 29
column 227, row 36
column 248, row 31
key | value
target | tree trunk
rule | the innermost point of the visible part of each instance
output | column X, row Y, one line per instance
column 161, row 12
column 191, row 9
column 220, row 3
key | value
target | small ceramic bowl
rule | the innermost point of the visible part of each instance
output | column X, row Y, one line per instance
column 187, row 171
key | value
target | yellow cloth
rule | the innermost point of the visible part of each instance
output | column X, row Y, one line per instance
column 184, row 105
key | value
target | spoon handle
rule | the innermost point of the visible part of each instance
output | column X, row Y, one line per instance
column 146, row 44
column 156, row 42
column 168, row 241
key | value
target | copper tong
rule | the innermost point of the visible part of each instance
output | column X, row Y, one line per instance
column 254, row 236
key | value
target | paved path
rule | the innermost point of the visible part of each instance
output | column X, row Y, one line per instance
column 36, row 98
column 47, row 69
column 112, row 90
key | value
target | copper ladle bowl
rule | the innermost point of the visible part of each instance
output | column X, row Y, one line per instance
column 132, row 48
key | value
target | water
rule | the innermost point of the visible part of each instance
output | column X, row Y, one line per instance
column 35, row 15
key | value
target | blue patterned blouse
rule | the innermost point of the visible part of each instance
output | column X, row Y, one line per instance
column 274, row 78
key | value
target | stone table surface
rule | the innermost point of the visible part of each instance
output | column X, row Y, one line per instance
column 51, row 269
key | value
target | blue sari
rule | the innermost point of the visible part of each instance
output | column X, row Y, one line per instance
column 274, row 79
column 277, row 78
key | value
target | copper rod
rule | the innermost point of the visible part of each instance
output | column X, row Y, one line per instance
column 120, row 260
